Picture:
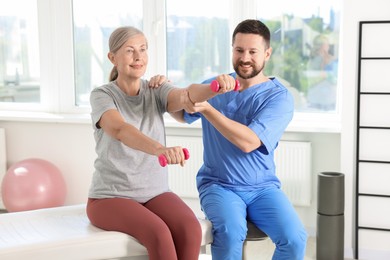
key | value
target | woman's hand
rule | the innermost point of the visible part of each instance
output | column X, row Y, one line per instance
column 157, row 81
column 174, row 155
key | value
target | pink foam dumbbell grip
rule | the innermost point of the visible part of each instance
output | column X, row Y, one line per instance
column 214, row 85
column 163, row 160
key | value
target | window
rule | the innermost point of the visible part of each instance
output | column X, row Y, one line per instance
column 305, row 41
column 198, row 40
column 304, row 37
column 91, row 31
column 19, row 52
column 55, row 53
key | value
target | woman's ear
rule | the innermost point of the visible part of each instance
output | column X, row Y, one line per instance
column 111, row 57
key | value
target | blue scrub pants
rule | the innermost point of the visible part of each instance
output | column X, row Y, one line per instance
column 268, row 208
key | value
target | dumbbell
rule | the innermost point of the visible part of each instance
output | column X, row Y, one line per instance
column 163, row 160
column 214, row 85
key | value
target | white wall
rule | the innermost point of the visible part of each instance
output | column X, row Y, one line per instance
column 69, row 146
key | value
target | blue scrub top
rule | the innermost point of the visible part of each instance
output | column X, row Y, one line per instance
column 267, row 109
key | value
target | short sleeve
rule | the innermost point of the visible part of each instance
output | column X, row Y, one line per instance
column 101, row 101
column 271, row 121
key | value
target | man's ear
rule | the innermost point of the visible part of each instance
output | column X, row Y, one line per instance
column 268, row 53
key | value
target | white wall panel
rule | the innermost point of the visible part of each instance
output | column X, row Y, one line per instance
column 372, row 107
column 374, row 144
column 374, row 178
column 375, row 76
column 374, row 212
column 375, row 43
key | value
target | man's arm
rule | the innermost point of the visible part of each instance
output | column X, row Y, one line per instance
column 238, row 134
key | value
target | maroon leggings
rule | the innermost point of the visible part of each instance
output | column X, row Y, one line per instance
column 165, row 225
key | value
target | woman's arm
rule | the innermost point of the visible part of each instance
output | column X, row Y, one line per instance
column 178, row 98
column 114, row 125
column 178, row 116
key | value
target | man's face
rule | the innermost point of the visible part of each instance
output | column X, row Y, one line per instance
column 249, row 55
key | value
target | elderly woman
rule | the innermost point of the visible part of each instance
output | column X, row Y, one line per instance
column 129, row 190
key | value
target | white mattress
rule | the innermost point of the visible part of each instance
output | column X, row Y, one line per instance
column 66, row 233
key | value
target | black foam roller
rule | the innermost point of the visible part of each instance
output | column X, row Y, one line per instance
column 330, row 237
column 330, row 199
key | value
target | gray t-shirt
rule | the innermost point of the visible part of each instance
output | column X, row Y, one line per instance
column 121, row 171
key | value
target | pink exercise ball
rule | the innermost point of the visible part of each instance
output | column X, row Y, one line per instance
column 33, row 184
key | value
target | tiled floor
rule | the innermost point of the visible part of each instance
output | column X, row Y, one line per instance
column 264, row 250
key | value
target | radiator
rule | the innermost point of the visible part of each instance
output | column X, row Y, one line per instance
column 3, row 166
column 293, row 168
column 182, row 179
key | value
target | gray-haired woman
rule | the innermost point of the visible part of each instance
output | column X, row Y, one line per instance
column 129, row 190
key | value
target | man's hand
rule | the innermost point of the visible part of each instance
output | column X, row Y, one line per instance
column 187, row 102
column 226, row 83
column 201, row 107
column 157, row 81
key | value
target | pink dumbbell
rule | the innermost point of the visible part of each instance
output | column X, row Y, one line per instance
column 214, row 85
column 163, row 160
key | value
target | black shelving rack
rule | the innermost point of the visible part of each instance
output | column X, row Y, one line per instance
column 373, row 130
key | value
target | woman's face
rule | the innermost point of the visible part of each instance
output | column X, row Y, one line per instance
column 131, row 59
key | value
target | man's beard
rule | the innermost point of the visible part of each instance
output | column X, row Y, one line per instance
column 255, row 72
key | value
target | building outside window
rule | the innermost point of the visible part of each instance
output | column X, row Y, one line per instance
column 305, row 41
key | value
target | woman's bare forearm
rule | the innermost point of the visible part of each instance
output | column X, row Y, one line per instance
column 195, row 93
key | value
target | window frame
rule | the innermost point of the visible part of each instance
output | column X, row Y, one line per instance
column 55, row 24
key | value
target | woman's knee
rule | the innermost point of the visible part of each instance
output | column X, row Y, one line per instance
column 158, row 242
column 194, row 230
column 188, row 229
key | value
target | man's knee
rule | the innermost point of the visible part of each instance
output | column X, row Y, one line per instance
column 230, row 234
column 293, row 245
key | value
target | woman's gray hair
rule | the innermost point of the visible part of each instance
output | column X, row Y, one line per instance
column 117, row 38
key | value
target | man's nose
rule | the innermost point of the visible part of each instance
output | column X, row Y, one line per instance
column 245, row 56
